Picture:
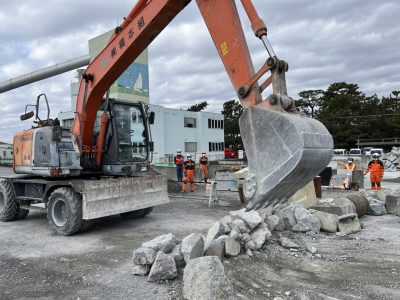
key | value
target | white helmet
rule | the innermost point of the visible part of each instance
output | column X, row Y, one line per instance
column 375, row 155
column 178, row 151
column 189, row 156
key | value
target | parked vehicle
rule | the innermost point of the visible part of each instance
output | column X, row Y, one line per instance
column 367, row 151
column 377, row 150
column 355, row 151
column 229, row 153
column 340, row 152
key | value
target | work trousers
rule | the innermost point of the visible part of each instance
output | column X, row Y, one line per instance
column 189, row 177
column 375, row 181
column 179, row 172
column 204, row 170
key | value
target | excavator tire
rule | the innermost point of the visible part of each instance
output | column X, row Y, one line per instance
column 9, row 206
column 137, row 213
column 64, row 211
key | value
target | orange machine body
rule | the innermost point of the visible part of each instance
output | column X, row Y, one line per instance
column 23, row 148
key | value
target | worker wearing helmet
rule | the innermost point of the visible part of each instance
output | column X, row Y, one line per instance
column 376, row 169
column 179, row 160
column 203, row 161
column 189, row 169
column 350, row 165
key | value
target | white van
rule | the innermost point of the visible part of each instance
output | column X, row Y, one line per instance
column 377, row 150
column 355, row 151
column 339, row 152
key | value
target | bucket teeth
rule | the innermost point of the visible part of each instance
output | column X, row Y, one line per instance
column 284, row 151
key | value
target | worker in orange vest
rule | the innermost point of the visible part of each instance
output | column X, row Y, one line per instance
column 350, row 164
column 189, row 169
column 179, row 160
column 203, row 161
column 376, row 169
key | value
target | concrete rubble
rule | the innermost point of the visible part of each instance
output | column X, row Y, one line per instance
column 391, row 160
column 242, row 234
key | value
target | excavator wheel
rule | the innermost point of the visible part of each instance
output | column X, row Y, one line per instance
column 9, row 206
column 64, row 211
column 137, row 213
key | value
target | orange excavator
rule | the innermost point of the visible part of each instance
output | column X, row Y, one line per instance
column 100, row 167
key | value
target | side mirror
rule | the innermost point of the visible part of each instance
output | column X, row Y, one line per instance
column 27, row 116
column 151, row 117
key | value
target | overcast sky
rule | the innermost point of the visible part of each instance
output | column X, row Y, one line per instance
column 324, row 41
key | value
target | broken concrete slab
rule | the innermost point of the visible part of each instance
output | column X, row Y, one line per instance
column 381, row 195
column 376, row 208
column 141, row 270
column 226, row 222
column 393, row 203
column 274, row 222
column 306, row 221
column 345, row 204
column 251, row 218
column 204, row 278
column 232, row 247
column 216, row 248
column 215, row 231
column 192, row 246
column 312, row 249
column 164, row 243
column 164, row 268
column 305, row 196
column 287, row 243
column 144, row 256
column 259, row 237
column 178, row 256
column 329, row 222
column 239, row 226
column 348, row 224
column 330, row 209
column 287, row 215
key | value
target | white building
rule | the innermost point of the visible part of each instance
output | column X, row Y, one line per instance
column 6, row 154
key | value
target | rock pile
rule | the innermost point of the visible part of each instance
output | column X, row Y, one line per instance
column 391, row 160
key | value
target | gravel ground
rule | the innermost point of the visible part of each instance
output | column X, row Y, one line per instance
column 96, row 264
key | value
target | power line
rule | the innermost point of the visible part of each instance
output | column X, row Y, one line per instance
column 366, row 116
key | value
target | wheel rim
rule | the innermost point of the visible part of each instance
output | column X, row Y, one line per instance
column 2, row 202
column 58, row 212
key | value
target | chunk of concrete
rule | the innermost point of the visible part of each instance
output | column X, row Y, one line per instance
column 259, row 237
column 305, row 196
column 226, row 222
column 376, row 208
column 215, row 231
column 349, row 224
column 330, row 209
column 239, row 226
column 192, row 246
column 287, row 215
column 381, row 195
column 251, row 218
column 216, row 248
column 329, row 222
column 164, row 268
column 393, row 204
column 141, row 270
column 287, row 243
column 306, row 221
column 144, row 256
column 274, row 222
column 345, row 204
column 232, row 247
column 178, row 256
column 164, row 243
column 204, row 278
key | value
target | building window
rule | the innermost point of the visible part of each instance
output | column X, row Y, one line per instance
column 190, row 122
column 209, row 123
column 212, row 147
column 190, row 147
column 215, row 123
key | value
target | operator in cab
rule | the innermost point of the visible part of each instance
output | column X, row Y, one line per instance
column 189, row 169
column 376, row 169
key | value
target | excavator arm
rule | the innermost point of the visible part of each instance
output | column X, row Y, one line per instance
column 285, row 151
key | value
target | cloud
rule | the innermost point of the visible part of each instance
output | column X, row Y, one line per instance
column 323, row 41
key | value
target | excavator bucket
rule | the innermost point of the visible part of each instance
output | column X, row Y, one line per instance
column 285, row 151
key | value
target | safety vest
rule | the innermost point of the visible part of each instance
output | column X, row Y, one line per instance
column 350, row 166
column 203, row 160
column 178, row 159
column 189, row 165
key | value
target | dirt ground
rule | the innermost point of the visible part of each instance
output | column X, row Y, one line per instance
column 96, row 264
